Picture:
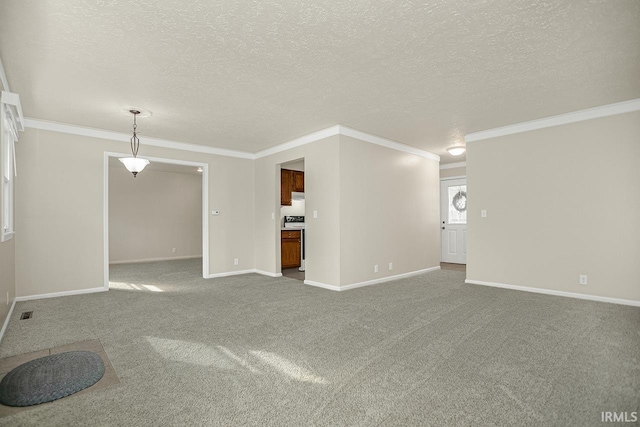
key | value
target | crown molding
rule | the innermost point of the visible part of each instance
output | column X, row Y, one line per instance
column 124, row 137
column 346, row 131
column 453, row 165
column 561, row 119
column 373, row 139
column 164, row 143
column 303, row 140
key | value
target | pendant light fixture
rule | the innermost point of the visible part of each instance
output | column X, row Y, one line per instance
column 134, row 164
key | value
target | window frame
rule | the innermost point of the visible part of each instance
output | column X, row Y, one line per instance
column 11, row 122
column 450, row 195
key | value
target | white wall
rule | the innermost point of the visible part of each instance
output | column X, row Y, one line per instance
column 448, row 173
column 361, row 192
column 59, row 210
column 153, row 213
column 389, row 212
column 321, row 194
column 561, row 202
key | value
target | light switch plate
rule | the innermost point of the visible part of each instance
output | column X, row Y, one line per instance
column 483, row 213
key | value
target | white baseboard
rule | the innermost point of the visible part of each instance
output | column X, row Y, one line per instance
column 103, row 289
column 322, row 285
column 266, row 273
column 389, row 278
column 62, row 294
column 556, row 293
column 138, row 261
column 370, row 282
column 230, row 273
column 235, row 273
column 6, row 320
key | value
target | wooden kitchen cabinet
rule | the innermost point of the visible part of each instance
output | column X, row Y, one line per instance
column 290, row 181
column 290, row 246
column 286, row 182
column 298, row 181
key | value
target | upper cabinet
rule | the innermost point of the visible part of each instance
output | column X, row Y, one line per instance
column 298, row 181
column 286, row 182
column 290, row 181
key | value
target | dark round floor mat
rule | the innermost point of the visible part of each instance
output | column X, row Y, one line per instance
column 51, row 377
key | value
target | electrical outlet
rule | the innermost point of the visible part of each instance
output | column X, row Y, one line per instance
column 583, row 279
column 273, row 215
column 483, row 213
column 315, row 214
column 390, row 266
column 375, row 268
column 235, row 261
column 173, row 250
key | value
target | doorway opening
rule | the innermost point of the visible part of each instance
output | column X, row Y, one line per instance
column 155, row 220
column 453, row 222
column 292, row 234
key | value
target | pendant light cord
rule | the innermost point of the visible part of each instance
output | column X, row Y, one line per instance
column 135, row 142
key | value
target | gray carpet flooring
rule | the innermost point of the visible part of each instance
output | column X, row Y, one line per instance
column 254, row 350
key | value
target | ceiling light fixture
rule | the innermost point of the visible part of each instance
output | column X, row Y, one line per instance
column 134, row 164
column 199, row 169
column 456, row 150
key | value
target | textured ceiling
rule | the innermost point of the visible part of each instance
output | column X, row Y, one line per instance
column 247, row 75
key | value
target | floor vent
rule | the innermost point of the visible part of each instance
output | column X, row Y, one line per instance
column 26, row 315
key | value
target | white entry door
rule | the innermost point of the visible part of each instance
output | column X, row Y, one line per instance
column 453, row 220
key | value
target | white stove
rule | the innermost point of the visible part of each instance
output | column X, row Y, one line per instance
column 297, row 223
column 294, row 225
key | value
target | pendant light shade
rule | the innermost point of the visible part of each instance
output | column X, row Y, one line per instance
column 134, row 164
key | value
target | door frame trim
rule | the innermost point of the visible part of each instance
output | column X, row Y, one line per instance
column 447, row 178
column 105, row 209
